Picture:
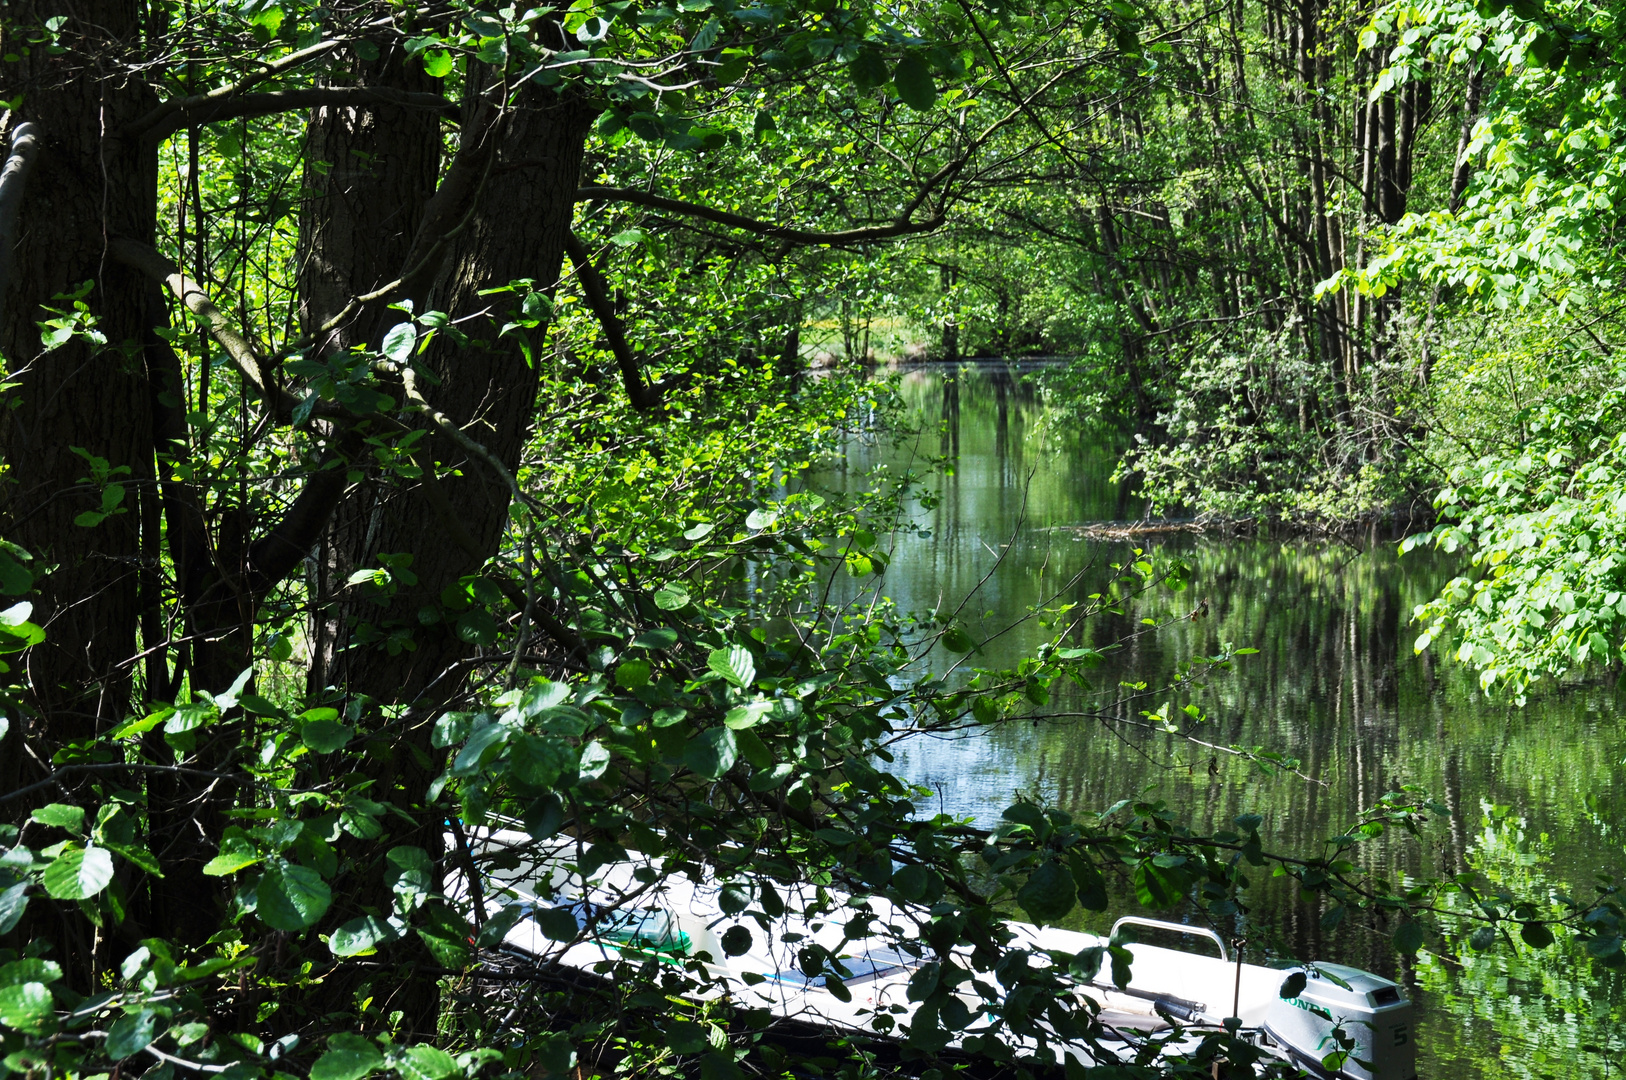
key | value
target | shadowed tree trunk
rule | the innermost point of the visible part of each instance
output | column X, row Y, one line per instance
column 85, row 399
column 409, row 652
column 78, row 439
column 369, row 172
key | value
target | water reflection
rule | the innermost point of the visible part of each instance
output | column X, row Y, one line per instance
column 1335, row 684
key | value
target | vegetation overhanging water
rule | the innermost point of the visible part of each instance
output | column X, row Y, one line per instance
column 1536, row 792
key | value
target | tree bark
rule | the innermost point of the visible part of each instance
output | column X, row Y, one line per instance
column 81, row 395
column 408, row 652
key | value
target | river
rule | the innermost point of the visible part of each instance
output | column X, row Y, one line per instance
column 1536, row 793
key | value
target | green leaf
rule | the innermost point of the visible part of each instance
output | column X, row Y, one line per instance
column 425, row 1062
column 741, row 717
column 27, row 1007
column 736, row 940
column 924, row 980
column 711, row 753
column 130, row 1035
column 733, row 899
column 768, row 779
column 543, row 694
column 477, row 627
column 437, row 63
column 671, row 597
column 1049, row 893
column 868, row 69
column 262, row 706
column 78, row 874
column 401, row 338
column 136, row 855
column 564, row 720
column 734, row 664
column 15, row 578
column 408, row 872
column 955, row 639
column 1293, row 986
column 291, row 897
column 1156, row 887
column 13, row 902
column 30, row 969
column 754, row 750
column 446, row 936
column 667, row 715
column 62, row 816
column 555, row 1054
column 595, row 759
column 1483, row 938
column 16, row 632
column 632, row 674
column 362, row 935
column 910, row 882
column 348, row 1057
column 1409, row 938
column 228, row 699
column 913, row 78
column 1537, row 935
column 496, row 928
column 483, row 744
column 538, row 761
column 236, row 853
column 1092, row 887
column 720, row 1066
column 325, row 736
column 558, row 924
column 1087, row 964
column 660, row 638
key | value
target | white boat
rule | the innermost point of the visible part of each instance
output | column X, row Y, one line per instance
column 633, row 910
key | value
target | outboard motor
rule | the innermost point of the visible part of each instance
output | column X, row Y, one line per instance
column 1369, row 1008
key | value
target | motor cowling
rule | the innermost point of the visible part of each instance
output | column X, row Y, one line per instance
column 1368, row 1010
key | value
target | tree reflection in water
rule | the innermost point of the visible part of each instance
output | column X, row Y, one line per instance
column 1335, row 684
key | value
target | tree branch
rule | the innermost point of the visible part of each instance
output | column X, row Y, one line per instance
column 186, row 532
column 448, row 211
column 13, row 178
column 898, row 227
column 598, row 298
column 275, row 554
column 156, row 115
column 449, row 428
column 205, row 108
column 152, row 262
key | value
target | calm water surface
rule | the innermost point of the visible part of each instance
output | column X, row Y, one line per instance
column 1537, row 793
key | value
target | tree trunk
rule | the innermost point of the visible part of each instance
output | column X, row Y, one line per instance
column 369, row 172
column 82, row 400
column 409, row 652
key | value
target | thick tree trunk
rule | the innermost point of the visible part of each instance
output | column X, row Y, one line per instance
column 87, row 398
column 487, row 388
column 409, row 652
column 369, row 172
column 73, row 433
